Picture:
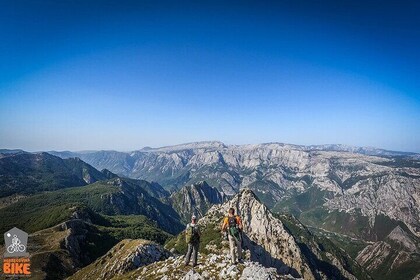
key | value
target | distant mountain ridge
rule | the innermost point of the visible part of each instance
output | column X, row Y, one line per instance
column 322, row 147
column 333, row 177
column 27, row 173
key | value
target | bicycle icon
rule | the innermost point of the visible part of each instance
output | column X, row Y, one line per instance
column 16, row 246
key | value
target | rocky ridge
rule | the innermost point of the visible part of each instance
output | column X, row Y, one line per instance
column 141, row 259
column 286, row 246
column 195, row 199
column 397, row 256
column 210, row 267
column 266, row 237
column 124, row 257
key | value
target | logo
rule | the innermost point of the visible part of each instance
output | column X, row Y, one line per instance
column 16, row 261
column 15, row 241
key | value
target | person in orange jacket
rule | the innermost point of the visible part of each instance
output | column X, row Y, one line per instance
column 232, row 224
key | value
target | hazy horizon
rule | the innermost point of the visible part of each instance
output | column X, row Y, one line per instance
column 122, row 75
column 204, row 141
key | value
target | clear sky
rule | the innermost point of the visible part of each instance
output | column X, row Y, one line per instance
column 121, row 75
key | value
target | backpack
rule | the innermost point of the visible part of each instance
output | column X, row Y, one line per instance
column 192, row 234
column 233, row 229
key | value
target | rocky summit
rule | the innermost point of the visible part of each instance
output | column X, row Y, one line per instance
column 269, row 241
column 210, row 267
column 140, row 259
column 289, row 249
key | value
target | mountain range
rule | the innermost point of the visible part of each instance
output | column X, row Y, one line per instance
column 334, row 182
column 317, row 212
column 268, row 241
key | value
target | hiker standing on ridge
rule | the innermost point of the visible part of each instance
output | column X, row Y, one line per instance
column 192, row 237
column 233, row 225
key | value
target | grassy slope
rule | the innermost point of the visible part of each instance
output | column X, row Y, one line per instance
column 210, row 236
column 351, row 245
column 299, row 203
column 48, row 209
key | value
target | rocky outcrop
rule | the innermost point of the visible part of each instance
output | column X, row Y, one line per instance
column 272, row 244
column 210, row 267
column 403, row 240
column 266, row 237
column 195, row 199
column 271, row 251
column 397, row 254
column 124, row 257
column 76, row 240
column 59, row 251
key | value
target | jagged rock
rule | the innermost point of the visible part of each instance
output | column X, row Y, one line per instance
column 398, row 252
column 81, row 215
column 258, row 272
column 270, row 243
column 391, row 194
column 195, row 199
column 208, row 269
column 402, row 238
column 60, row 251
column 124, row 257
column 192, row 275
column 75, row 239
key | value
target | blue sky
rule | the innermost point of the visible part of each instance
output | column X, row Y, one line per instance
column 77, row 75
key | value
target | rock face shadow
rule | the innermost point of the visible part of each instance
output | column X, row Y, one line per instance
column 262, row 256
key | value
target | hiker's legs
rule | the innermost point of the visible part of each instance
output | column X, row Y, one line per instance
column 188, row 255
column 195, row 253
column 239, row 247
column 232, row 246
